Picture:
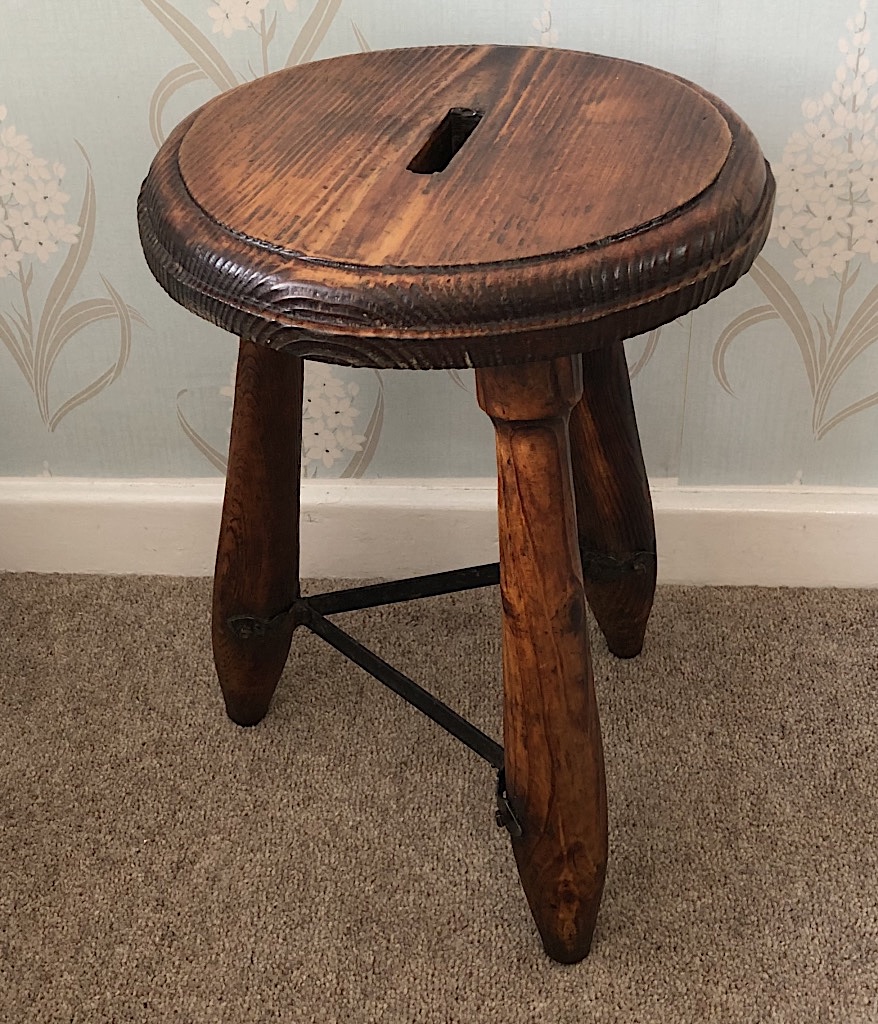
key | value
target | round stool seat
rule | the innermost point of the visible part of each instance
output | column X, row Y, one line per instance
column 454, row 206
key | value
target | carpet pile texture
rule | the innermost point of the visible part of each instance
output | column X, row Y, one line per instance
column 340, row 861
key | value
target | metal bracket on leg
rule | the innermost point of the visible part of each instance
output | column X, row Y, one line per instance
column 601, row 568
column 253, row 627
column 504, row 815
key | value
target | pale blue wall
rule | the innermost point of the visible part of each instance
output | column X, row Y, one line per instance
column 86, row 75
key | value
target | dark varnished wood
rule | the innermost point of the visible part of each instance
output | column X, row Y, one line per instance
column 343, row 140
column 596, row 198
column 614, row 511
column 327, row 212
column 552, row 741
column 257, row 562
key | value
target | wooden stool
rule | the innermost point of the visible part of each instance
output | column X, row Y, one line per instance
column 516, row 210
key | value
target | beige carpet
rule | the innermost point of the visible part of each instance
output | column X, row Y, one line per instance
column 339, row 862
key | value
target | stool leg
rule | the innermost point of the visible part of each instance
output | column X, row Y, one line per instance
column 614, row 511
column 553, row 755
column 257, row 562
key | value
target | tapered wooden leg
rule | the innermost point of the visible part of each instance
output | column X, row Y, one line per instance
column 553, row 757
column 257, row 563
column 614, row 511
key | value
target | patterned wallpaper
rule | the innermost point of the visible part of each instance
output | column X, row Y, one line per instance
column 102, row 375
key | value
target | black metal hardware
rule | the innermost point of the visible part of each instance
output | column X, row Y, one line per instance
column 252, row 627
column 246, row 627
column 312, row 612
column 601, row 568
column 406, row 590
column 408, row 689
column 505, row 816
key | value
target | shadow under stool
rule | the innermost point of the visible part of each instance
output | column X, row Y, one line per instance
column 517, row 210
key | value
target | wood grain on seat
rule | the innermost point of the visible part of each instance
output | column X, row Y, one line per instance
column 591, row 189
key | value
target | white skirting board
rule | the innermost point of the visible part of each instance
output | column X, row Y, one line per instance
column 392, row 528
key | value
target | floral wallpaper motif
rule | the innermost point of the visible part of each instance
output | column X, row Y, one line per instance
column 547, row 34
column 330, row 439
column 33, row 229
column 777, row 380
column 259, row 20
column 827, row 217
column 331, row 419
